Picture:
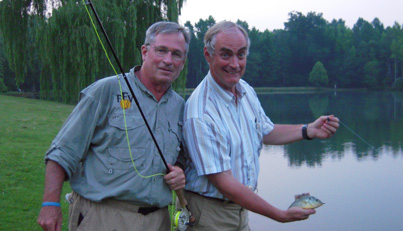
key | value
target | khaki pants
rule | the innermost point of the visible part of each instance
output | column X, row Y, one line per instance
column 214, row 215
column 114, row 215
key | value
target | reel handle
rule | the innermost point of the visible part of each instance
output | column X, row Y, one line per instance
column 181, row 197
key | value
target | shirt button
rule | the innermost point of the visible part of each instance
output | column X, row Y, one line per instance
column 110, row 171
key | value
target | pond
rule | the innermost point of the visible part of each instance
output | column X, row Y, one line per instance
column 358, row 173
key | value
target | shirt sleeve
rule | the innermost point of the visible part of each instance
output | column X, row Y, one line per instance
column 267, row 124
column 207, row 146
column 73, row 140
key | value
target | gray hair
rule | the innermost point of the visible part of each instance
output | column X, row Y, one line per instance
column 164, row 27
column 223, row 26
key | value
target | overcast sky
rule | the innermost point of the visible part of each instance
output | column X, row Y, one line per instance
column 267, row 14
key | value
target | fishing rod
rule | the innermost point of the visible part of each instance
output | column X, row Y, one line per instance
column 181, row 218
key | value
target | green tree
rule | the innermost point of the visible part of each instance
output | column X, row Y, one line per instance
column 3, row 87
column 367, row 40
column 253, row 73
column 398, row 85
column 270, row 62
column 308, row 42
column 64, row 47
column 280, row 65
column 193, row 56
column 318, row 76
column 2, row 59
column 372, row 74
column 197, row 65
column 396, row 48
column 15, row 18
column 71, row 53
column 342, row 54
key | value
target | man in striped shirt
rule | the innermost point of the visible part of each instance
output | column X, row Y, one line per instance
column 224, row 129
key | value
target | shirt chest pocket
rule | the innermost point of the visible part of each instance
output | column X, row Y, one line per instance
column 174, row 139
column 120, row 158
column 257, row 135
column 126, row 121
column 137, row 133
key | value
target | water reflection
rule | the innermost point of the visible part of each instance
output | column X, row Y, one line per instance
column 360, row 194
column 377, row 117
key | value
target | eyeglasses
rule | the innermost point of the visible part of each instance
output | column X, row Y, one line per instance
column 163, row 51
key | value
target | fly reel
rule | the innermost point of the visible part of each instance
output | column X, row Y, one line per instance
column 182, row 219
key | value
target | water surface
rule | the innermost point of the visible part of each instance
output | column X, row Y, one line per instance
column 359, row 174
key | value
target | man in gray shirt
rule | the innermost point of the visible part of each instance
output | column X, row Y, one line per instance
column 106, row 152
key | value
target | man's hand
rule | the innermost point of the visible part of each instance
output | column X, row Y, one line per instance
column 50, row 218
column 175, row 178
column 324, row 127
column 296, row 214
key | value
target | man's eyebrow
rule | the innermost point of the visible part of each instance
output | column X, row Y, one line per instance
column 226, row 49
column 242, row 49
column 229, row 50
column 165, row 47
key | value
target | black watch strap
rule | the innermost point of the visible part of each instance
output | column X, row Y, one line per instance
column 305, row 133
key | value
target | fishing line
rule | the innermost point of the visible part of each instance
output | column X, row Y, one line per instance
column 351, row 130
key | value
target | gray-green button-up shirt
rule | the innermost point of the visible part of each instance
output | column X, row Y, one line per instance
column 93, row 149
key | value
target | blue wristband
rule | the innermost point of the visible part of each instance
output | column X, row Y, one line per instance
column 57, row 204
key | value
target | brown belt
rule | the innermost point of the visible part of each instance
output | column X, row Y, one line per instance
column 213, row 198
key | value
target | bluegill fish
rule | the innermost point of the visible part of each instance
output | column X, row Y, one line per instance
column 306, row 202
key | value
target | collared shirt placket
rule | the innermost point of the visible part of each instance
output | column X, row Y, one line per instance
column 249, row 168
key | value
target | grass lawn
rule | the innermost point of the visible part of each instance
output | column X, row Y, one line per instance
column 27, row 127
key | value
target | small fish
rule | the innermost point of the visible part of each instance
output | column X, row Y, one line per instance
column 306, row 202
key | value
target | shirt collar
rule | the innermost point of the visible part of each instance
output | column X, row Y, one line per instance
column 144, row 89
column 224, row 94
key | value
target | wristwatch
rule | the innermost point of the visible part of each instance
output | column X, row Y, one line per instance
column 305, row 133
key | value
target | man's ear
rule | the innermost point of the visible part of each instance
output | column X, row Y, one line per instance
column 144, row 52
column 206, row 54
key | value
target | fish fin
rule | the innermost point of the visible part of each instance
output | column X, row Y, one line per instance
column 301, row 195
column 298, row 196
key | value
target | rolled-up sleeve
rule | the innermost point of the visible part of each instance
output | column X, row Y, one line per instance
column 73, row 140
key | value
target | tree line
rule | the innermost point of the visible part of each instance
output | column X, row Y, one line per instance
column 49, row 46
column 365, row 56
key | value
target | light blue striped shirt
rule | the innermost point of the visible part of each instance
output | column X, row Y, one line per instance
column 222, row 134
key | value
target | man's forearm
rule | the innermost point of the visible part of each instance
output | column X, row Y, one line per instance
column 54, row 180
column 284, row 134
column 243, row 196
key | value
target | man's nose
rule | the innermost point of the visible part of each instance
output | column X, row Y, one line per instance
column 168, row 58
column 234, row 62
